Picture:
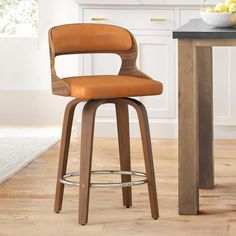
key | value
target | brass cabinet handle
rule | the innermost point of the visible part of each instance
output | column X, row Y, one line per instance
column 98, row 19
column 159, row 19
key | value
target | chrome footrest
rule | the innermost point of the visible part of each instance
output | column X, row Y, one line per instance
column 65, row 178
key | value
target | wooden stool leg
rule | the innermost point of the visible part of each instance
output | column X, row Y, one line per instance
column 64, row 150
column 87, row 133
column 122, row 114
column 147, row 151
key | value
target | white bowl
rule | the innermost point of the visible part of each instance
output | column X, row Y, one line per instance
column 219, row 19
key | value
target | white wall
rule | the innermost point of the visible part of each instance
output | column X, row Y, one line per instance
column 25, row 96
column 25, row 68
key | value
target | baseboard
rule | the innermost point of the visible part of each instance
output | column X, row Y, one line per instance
column 107, row 128
column 41, row 108
column 159, row 129
column 225, row 132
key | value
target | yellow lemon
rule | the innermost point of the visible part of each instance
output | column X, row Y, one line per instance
column 230, row 1
column 227, row 3
column 232, row 8
column 221, row 7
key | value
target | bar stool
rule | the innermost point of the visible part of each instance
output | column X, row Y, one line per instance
column 98, row 90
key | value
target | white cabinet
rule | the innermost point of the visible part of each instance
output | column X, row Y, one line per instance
column 187, row 14
column 152, row 26
column 224, row 85
column 133, row 18
column 156, row 57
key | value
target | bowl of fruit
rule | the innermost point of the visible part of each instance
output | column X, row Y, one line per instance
column 222, row 15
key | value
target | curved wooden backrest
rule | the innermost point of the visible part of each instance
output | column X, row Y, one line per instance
column 81, row 38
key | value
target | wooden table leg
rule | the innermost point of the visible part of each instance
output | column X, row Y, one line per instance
column 204, row 76
column 188, row 129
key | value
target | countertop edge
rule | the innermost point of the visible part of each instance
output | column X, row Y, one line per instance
column 144, row 2
column 200, row 35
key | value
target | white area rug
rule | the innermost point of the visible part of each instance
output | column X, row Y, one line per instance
column 20, row 146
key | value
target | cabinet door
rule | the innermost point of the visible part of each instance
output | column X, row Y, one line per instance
column 157, row 59
column 224, row 86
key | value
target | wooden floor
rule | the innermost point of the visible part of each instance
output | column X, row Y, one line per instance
column 26, row 200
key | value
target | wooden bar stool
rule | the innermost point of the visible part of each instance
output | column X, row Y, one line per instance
column 98, row 90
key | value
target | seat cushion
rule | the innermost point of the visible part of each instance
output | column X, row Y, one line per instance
column 112, row 86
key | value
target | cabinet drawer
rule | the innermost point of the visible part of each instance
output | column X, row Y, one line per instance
column 132, row 19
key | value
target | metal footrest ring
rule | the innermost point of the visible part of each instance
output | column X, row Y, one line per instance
column 65, row 178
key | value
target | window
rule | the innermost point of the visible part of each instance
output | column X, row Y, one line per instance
column 18, row 18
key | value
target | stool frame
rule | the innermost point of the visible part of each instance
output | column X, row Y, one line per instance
column 87, row 134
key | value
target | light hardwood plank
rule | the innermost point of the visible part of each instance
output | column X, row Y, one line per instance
column 26, row 200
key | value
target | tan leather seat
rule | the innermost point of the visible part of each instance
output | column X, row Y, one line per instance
column 99, row 38
column 112, row 86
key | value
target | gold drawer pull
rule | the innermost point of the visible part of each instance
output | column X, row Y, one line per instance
column 98, row 19
column 158, row 19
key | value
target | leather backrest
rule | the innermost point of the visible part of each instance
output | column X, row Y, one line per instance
column 80, row 38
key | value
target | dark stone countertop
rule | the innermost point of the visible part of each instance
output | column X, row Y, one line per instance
column 197, row 29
